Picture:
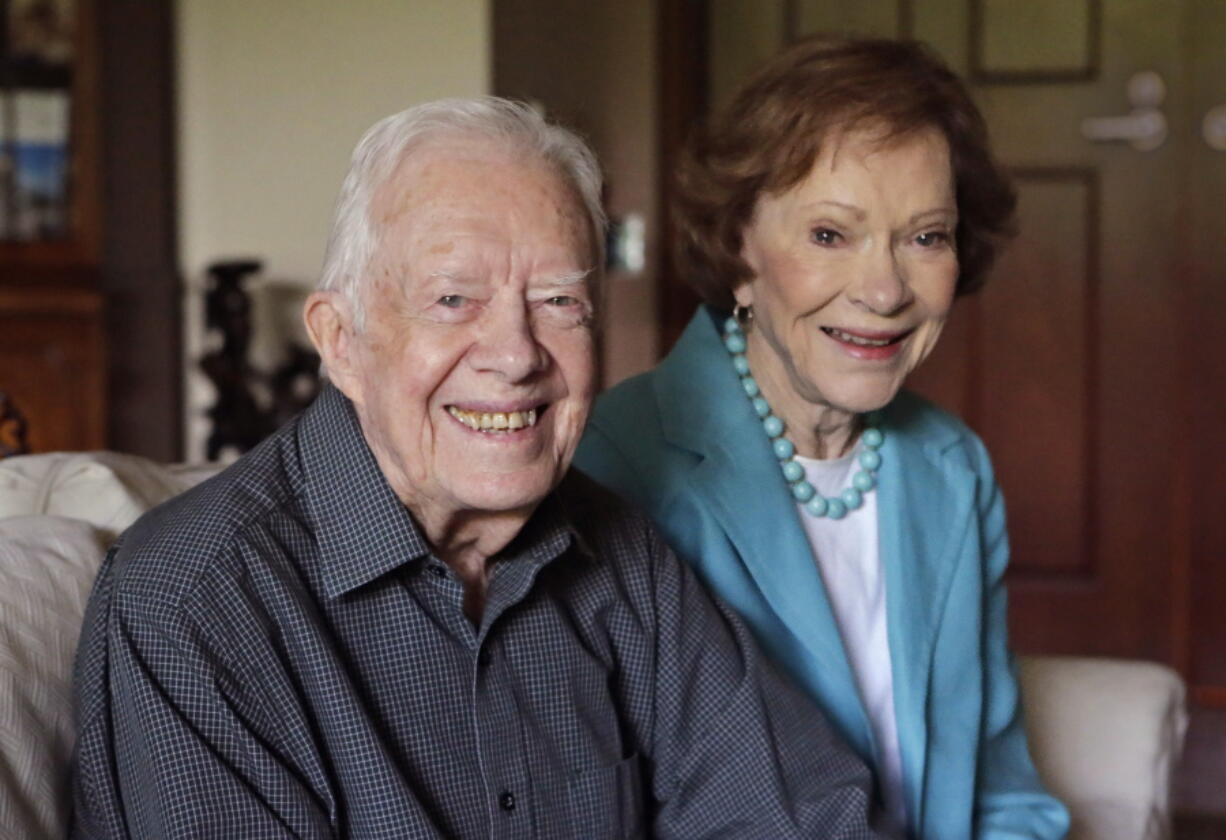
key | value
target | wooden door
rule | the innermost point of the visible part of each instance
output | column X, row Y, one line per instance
column 1068, row 362
column 1086, row 363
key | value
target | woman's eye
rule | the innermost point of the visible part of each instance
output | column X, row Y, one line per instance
column 825, row 236
column 932, row 238
column 452, row 301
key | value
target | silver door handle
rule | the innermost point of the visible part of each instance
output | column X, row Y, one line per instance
column 1144, row 127
column 1213, row 128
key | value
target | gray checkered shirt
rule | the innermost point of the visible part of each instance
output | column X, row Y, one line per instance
column 279, row 653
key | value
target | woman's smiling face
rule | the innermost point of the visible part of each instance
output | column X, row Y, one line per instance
column 854, row 274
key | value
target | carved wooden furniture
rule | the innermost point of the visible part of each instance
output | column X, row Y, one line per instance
column 13, row 428
column 250, row 404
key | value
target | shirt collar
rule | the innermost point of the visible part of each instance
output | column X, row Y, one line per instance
column 551, row 530
column 363, row 528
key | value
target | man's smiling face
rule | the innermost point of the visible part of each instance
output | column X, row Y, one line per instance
column 475, row 370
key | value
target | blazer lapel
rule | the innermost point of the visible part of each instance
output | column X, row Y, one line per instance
column 924, row 505
column 703, row 410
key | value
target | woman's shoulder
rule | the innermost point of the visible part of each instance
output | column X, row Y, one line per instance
column 629, row 399
column 644, row 415
column 624, row 447
column 919, row 415
column 917, row 421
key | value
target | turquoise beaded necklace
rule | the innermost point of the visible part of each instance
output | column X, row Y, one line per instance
column 834, row 507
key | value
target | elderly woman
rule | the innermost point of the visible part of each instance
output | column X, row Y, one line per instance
column 829, row 218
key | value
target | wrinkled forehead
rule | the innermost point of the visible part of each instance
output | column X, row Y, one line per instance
column 480, row 184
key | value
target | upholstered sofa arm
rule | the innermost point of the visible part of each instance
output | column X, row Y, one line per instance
column 1106, row 735
column 58, row 513
column 109, row 490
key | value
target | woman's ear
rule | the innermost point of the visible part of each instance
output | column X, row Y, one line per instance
column 743, row 293
column 329, row 323
column 749, row 255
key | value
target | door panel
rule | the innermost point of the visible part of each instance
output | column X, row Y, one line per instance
column 881, row 18
column 1042, row 398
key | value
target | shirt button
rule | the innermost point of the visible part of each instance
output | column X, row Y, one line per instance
column 438, row 571
column 506, row 801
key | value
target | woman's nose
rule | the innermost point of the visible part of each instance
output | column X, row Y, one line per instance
column 882, row 287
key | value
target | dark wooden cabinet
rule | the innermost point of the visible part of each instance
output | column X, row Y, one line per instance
column 53, row 364
column 52, row 328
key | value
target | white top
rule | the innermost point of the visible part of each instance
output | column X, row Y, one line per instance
column 850, row 564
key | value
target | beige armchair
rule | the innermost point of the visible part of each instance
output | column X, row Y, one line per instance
column 1105, row 734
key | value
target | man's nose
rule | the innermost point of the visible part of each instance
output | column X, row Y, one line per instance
column 508, row 345
column 881, row 286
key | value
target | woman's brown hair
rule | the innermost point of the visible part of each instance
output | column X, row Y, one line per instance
column 767, row 139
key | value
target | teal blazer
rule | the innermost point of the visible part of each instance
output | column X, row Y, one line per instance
column 683, row 442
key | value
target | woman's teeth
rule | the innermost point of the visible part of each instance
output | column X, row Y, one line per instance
column 855, row 339
column 497, row 421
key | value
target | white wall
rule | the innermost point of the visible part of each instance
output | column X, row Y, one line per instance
column 272, row 97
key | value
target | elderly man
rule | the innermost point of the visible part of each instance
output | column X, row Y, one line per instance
column 400, row 616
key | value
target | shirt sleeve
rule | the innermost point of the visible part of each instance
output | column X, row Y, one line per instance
column 168, row 745
column 1010, row 800
column 738, row 752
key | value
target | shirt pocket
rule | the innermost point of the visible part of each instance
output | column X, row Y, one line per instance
column 607, row 803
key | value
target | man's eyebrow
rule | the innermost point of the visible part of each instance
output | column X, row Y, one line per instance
column 569, row 279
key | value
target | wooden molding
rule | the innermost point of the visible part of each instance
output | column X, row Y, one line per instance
column 1086, row 569
column 904, row 20
column 980, row 73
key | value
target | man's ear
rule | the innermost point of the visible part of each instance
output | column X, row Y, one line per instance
column 329, row 323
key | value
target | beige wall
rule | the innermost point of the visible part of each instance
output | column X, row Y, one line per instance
column 272, row 97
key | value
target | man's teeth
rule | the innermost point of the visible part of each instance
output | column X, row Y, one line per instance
column 855, row 339
column 497, row 421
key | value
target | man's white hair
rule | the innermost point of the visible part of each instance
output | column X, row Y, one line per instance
column 513, row 125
